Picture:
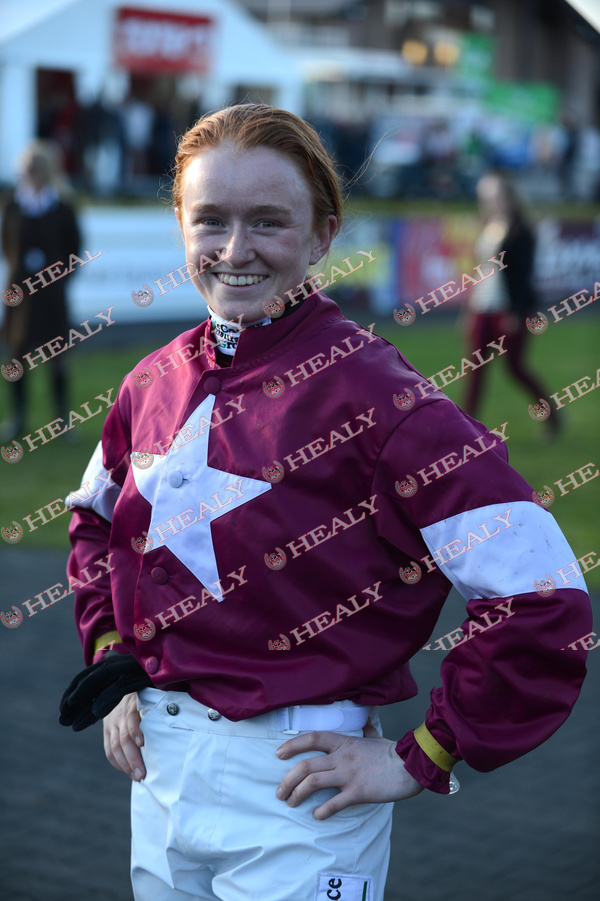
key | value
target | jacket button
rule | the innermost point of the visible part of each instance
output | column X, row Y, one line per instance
column 173, row 709
column 214, row 714
column 151, row 665
column 212, row 385
column 175, row 478
column 159, row 575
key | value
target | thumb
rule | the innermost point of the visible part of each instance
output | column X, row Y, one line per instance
column 369, row 730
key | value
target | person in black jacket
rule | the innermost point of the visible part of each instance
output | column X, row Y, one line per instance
column 39, row 229
column 501, row 305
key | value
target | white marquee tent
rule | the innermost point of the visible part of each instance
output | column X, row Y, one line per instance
column 79, row 35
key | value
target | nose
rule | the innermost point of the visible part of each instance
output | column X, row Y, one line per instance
column 238, row 249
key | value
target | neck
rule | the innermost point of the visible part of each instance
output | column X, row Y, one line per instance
column 227, row 333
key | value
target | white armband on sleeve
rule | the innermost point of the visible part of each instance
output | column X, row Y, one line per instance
column 98, row 492
column 501, row 550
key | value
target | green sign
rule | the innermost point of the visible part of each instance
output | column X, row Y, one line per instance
column 476, row 58
column 531, row 102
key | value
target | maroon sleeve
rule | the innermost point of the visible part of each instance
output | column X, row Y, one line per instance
column 94, row 617
column 509, row 679
column 90, row 566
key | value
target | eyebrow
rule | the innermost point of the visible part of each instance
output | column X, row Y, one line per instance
column 269, row 209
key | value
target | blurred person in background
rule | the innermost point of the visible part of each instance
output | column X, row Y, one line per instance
column 439, row 157
column 137, row 118
column 39, row 228
column 570, row 148
column 100, row 146
column 500, row 305
column 164, row 144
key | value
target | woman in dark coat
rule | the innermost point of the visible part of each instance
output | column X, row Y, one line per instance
column 39, row 229
column 501, row 305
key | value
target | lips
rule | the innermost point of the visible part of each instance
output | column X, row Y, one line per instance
column 239, row 280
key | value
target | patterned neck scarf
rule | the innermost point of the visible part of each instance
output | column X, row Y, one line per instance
column 227, row 334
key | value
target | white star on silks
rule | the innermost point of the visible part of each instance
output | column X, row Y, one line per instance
column 203, row 491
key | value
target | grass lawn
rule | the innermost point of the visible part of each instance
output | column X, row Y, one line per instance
column 566, row 352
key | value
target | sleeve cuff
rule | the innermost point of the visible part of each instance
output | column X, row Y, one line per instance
column 107, row 642
column 426, row 759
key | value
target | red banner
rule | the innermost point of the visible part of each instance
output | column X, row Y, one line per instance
column 151, row 41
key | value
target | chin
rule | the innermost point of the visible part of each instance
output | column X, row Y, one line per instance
column 231, row 310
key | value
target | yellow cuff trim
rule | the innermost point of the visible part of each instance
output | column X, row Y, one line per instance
column 433, row 749
column 106, row 639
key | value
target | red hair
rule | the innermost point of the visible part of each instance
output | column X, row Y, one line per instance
column 249, row 125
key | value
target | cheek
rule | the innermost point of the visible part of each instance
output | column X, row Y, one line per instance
column 293, row 256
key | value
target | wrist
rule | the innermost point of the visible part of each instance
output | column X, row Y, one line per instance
column 426, row 760
column 109, row 641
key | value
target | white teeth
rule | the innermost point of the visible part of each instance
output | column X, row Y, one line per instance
column 240, row 280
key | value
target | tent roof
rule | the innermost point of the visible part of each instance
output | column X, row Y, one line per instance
column 17, row 17
column 77, row 34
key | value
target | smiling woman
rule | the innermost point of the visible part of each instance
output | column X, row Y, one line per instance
column 206, row 692
column 268, row 248
column 226, row 166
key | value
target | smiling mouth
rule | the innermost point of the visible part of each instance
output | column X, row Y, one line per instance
column 239, row 280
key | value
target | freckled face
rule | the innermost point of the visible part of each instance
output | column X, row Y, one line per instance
column 255, row 208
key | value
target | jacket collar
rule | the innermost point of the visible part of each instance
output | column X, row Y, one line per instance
column 257, row 345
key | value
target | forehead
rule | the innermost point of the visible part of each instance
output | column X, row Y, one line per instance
column 257, row 176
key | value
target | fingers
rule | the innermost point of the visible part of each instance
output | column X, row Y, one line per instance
column 123, row 738
column 310, row 741
column 315, row 782
column 366, row 770
column 312, row 775
column 339, row 802
column 305, row 778
column 369, row 731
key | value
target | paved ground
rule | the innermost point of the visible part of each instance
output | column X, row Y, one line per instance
column 528, row 832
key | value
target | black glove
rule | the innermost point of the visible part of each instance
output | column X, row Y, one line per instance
column 97, row 690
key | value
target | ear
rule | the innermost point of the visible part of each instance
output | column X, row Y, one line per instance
column 322, row 240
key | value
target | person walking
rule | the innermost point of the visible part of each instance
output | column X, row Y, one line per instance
column 501, row 305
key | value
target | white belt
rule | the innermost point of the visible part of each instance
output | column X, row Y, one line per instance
column 331, row 717
column 181, row 711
